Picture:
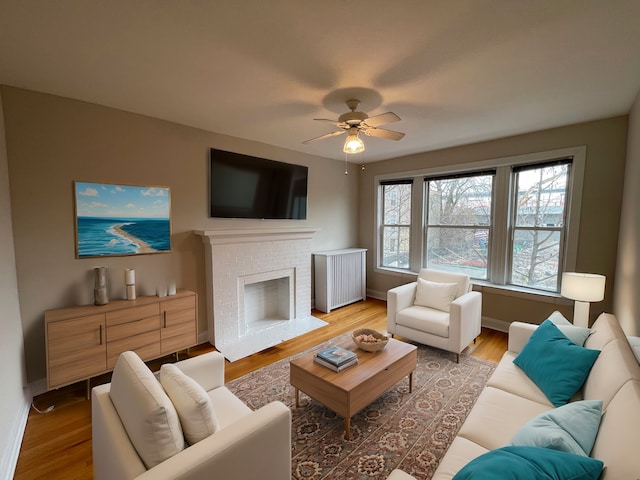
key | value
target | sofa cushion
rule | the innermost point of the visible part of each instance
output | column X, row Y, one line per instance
column 510, row 378
column 147, row 414
column 570, row 428
column 530, row 463
column 556, row 364
column 435, row 295
column 497, row 416
column 195, row 409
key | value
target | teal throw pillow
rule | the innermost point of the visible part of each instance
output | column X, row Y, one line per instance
column 556, row 365
column 571, row 428
column 530, row 463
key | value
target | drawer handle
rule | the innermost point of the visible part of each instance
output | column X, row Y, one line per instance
column 100, row 334
column 164, row 314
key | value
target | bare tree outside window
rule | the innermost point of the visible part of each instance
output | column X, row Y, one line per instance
column 459, row 224
column 539, row 226
column 396, row 224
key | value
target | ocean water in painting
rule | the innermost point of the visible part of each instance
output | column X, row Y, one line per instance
column 99, row 236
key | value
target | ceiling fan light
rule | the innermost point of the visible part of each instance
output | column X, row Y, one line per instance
column 353, row 144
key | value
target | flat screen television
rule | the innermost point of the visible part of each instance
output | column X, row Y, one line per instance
column 242, row 186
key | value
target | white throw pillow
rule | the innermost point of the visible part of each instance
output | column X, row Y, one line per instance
column 435, row 295
column 147, row 414
column 194, row 407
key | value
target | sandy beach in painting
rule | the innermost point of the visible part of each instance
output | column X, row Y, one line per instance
column 143, row 247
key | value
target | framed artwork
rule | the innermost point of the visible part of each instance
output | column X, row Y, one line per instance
column 116, row 220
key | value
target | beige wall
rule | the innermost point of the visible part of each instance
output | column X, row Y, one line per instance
column 601, row 202
column 627, row 294
column 52, row 141
column 14, row 404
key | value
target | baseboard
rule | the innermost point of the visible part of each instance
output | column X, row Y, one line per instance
column 377, row 294
column 9, row 457
column 38, row 387
column 203, row 337
column 494, row 324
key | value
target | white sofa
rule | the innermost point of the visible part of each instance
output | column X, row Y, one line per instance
column 511, row 398
column 246, row 444
column 450, row 323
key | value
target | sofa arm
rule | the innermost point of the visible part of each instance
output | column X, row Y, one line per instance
column 399, row 298
column 255, row 447
column 206, row 369
column 519, row 333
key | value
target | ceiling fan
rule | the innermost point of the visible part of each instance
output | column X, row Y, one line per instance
column 355, row 122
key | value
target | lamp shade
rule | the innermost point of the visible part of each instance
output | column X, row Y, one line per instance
column 583, row 287
column 353, row 144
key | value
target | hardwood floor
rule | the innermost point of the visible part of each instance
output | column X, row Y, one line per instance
column 57, row 445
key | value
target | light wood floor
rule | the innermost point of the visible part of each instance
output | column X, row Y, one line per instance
column 57, row 445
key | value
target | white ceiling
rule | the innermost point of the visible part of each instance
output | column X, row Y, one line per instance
column 455, row 71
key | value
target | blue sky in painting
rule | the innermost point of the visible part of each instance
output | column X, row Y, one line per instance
column 121, row 201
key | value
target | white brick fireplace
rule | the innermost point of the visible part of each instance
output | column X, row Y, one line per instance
column 258, row 288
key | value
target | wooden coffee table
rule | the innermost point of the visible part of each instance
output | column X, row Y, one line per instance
column 349, row 391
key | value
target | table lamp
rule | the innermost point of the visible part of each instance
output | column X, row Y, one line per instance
column 583, row 288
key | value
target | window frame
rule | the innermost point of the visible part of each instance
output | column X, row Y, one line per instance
column 497, row 273
column 383, row 225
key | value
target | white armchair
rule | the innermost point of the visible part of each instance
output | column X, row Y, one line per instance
column 434, row 312
column 245, row 444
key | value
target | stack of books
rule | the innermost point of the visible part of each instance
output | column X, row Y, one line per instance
column 336, row 358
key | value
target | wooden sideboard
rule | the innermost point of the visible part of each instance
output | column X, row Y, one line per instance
column 85, row 341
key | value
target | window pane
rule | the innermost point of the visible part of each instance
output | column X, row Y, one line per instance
column 541, row 196
column 460, row 201
column 536, row 257
column 461, row 250
column 397, row 204
column 395, row 246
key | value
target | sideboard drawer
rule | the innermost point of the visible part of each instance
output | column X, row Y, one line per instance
column 131, row 314
column 135, row 327
column 146, row 345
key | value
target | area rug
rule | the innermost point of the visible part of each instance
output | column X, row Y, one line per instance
column 411, row 431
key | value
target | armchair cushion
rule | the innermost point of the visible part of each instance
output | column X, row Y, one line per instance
column 435, row 295
column 146, row 412
column 195, row 409
column 424, row 319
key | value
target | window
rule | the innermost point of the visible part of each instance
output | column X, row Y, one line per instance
column 458, row 223
column 509, row 222
column 396, row 223
column 539, row 224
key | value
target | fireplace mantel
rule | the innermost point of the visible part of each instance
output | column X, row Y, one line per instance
column 239, row 257
column 248, row 235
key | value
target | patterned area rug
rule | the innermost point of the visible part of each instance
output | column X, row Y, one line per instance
column 403, row 430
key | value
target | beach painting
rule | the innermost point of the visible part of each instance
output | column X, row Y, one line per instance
column 115, row 220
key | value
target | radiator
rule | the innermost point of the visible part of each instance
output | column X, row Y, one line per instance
column 340, row 278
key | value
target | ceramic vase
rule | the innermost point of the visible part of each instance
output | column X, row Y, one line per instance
column 100, row 289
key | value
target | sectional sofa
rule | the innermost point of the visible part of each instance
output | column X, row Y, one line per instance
column 513, row 403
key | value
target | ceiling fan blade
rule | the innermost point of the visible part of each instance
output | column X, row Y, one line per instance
column 383, row 133
column 326, row 135
column 382, row 119
column 333, row 122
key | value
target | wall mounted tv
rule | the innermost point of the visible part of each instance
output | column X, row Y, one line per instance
column 242, row 186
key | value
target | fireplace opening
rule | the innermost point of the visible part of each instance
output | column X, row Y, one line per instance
column 266, row 303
